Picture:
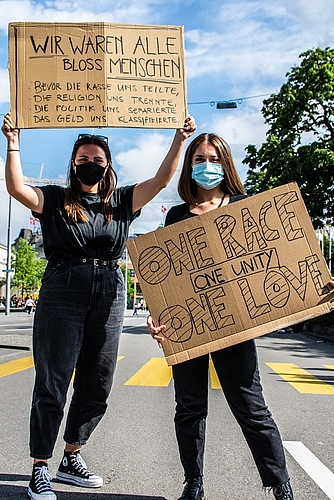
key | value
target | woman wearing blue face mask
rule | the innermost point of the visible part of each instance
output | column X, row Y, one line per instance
column 79, row 316
column 210, row 180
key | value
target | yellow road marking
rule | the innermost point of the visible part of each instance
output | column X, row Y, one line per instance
column 215, row 384
column 155, row 373
column 300, row 379
column 18, row 365
column 15, row 366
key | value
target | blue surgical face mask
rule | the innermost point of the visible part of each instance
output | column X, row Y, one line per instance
column 207, row 175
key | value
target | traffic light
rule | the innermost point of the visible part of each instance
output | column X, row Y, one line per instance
column 226, row 105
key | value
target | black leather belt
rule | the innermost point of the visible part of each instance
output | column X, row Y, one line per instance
column 112, row 264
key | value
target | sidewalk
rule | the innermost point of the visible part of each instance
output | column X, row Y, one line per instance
column 140, row 314
column 319, row 332
column 16, row 345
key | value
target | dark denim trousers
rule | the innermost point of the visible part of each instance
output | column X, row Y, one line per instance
column 237, row 370
column 78, row 323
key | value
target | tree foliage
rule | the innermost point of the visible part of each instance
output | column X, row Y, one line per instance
column 130, row 283
column 300, row 139
column 28, row 269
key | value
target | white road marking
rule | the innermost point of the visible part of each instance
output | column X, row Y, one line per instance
column 320, row 474
column 18, row 329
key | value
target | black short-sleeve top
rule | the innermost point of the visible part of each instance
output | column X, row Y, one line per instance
column 182, row 212
column 64, row 239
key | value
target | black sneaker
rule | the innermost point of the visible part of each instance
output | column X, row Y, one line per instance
column 193, row 489
column 39, row 487
column 72, row 469
column 283, row 491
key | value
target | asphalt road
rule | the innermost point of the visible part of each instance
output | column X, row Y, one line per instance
column 134, row 447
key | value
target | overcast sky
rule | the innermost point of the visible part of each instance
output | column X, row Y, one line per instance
column 234, row 50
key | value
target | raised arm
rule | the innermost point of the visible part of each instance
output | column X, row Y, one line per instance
column 30, row 197
column 145, row 191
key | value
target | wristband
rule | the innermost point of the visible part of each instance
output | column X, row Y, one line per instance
column 10, row 150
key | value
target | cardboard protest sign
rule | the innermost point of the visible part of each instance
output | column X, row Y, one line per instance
column 96, row 75
column 233, row 274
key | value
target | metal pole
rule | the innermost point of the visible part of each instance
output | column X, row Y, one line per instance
column 126, row 278
column 8, row 270
column 330, row 249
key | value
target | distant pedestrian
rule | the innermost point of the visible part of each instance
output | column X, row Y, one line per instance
column 29, row 305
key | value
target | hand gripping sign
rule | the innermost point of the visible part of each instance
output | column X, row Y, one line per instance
column 232, row 274
column 96, row 75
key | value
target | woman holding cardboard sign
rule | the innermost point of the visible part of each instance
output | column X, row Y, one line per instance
column 79, row 316
column 210, row 180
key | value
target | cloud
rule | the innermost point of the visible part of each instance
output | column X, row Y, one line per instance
column 316, row 18
column 238, row 46
column 240, row 127
column 19, row 214
column 140, row 162
column 62, row 11
column 243, row 125
column 143, row 158
column 256, row 43
column 234, row 49
column 4, row 86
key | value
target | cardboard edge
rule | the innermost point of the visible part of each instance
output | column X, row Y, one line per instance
column 249, row 334
column 15, row 81
column 322, row 307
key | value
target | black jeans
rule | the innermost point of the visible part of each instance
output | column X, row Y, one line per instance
column 78, row 323
column 237, row 370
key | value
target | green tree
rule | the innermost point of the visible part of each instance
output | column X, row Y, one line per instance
column 28, row 269
column 130, row 284
column 300, row 139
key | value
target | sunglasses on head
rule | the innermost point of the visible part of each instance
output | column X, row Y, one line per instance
column 102, row 138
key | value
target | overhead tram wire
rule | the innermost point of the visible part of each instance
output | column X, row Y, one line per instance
column 228, row 104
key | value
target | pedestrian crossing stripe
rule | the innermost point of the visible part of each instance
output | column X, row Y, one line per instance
column 303, row 381
column 155, row 373
column 15, row 366
column 18, row 365
column 215, row 384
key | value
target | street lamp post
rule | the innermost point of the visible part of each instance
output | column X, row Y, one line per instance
column 8, row 269
column 126, row 279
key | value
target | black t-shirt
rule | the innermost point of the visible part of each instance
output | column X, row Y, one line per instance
column 64, row 239
column 182, row 212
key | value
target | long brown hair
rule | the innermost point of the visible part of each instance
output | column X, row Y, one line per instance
column 106, row 187
column 231, row 184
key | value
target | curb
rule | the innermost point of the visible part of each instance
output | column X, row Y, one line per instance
column 319, row 332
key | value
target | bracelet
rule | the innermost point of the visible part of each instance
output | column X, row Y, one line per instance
column 10, row 150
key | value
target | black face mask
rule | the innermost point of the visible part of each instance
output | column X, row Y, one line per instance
column 89, row 173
